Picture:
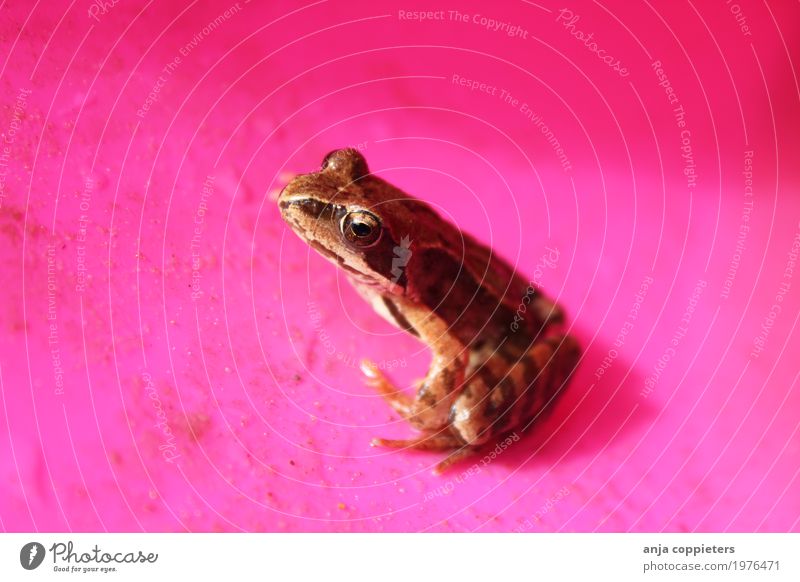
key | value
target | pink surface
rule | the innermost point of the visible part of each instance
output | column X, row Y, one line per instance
column 174, row 359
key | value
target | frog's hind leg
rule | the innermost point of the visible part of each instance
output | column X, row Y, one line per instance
column 394, row 396
column 437, row 442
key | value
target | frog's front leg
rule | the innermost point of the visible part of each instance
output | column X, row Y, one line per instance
column 430, row 407
column 397, row 399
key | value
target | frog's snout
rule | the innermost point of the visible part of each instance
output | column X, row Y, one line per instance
column 284, row 198
column 290, row 202
column 281, row 199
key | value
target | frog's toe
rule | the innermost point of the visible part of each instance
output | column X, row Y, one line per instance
column 431, row 442
column 375, row 377
column 379, row 442
column 370, row 369
column 426, row 442
column 394, row 396
column 452, row 459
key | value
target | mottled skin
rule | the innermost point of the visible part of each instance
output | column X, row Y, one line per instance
column 426, row 276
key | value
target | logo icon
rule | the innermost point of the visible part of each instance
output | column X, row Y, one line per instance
column 402, row 254
column 31, row 555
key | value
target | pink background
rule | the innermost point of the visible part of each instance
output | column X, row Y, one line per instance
column 265, row 422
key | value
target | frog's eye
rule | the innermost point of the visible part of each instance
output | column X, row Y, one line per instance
column 361, row 228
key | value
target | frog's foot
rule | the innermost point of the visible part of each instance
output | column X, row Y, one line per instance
column 458, row 455
column 429, row 442
column 375, row 378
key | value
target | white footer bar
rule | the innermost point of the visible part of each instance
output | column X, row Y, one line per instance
column 401, row 557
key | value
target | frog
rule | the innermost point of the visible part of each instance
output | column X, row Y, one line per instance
column 500, row 357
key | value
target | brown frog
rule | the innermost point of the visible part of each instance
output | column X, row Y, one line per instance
column 498, row 363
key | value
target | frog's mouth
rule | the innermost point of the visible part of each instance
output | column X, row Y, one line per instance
column 341, row 262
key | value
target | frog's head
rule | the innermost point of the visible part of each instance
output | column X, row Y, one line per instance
column 356, row 220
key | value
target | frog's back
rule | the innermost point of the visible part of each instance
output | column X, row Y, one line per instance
column 477, row 292
column 482, row 297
